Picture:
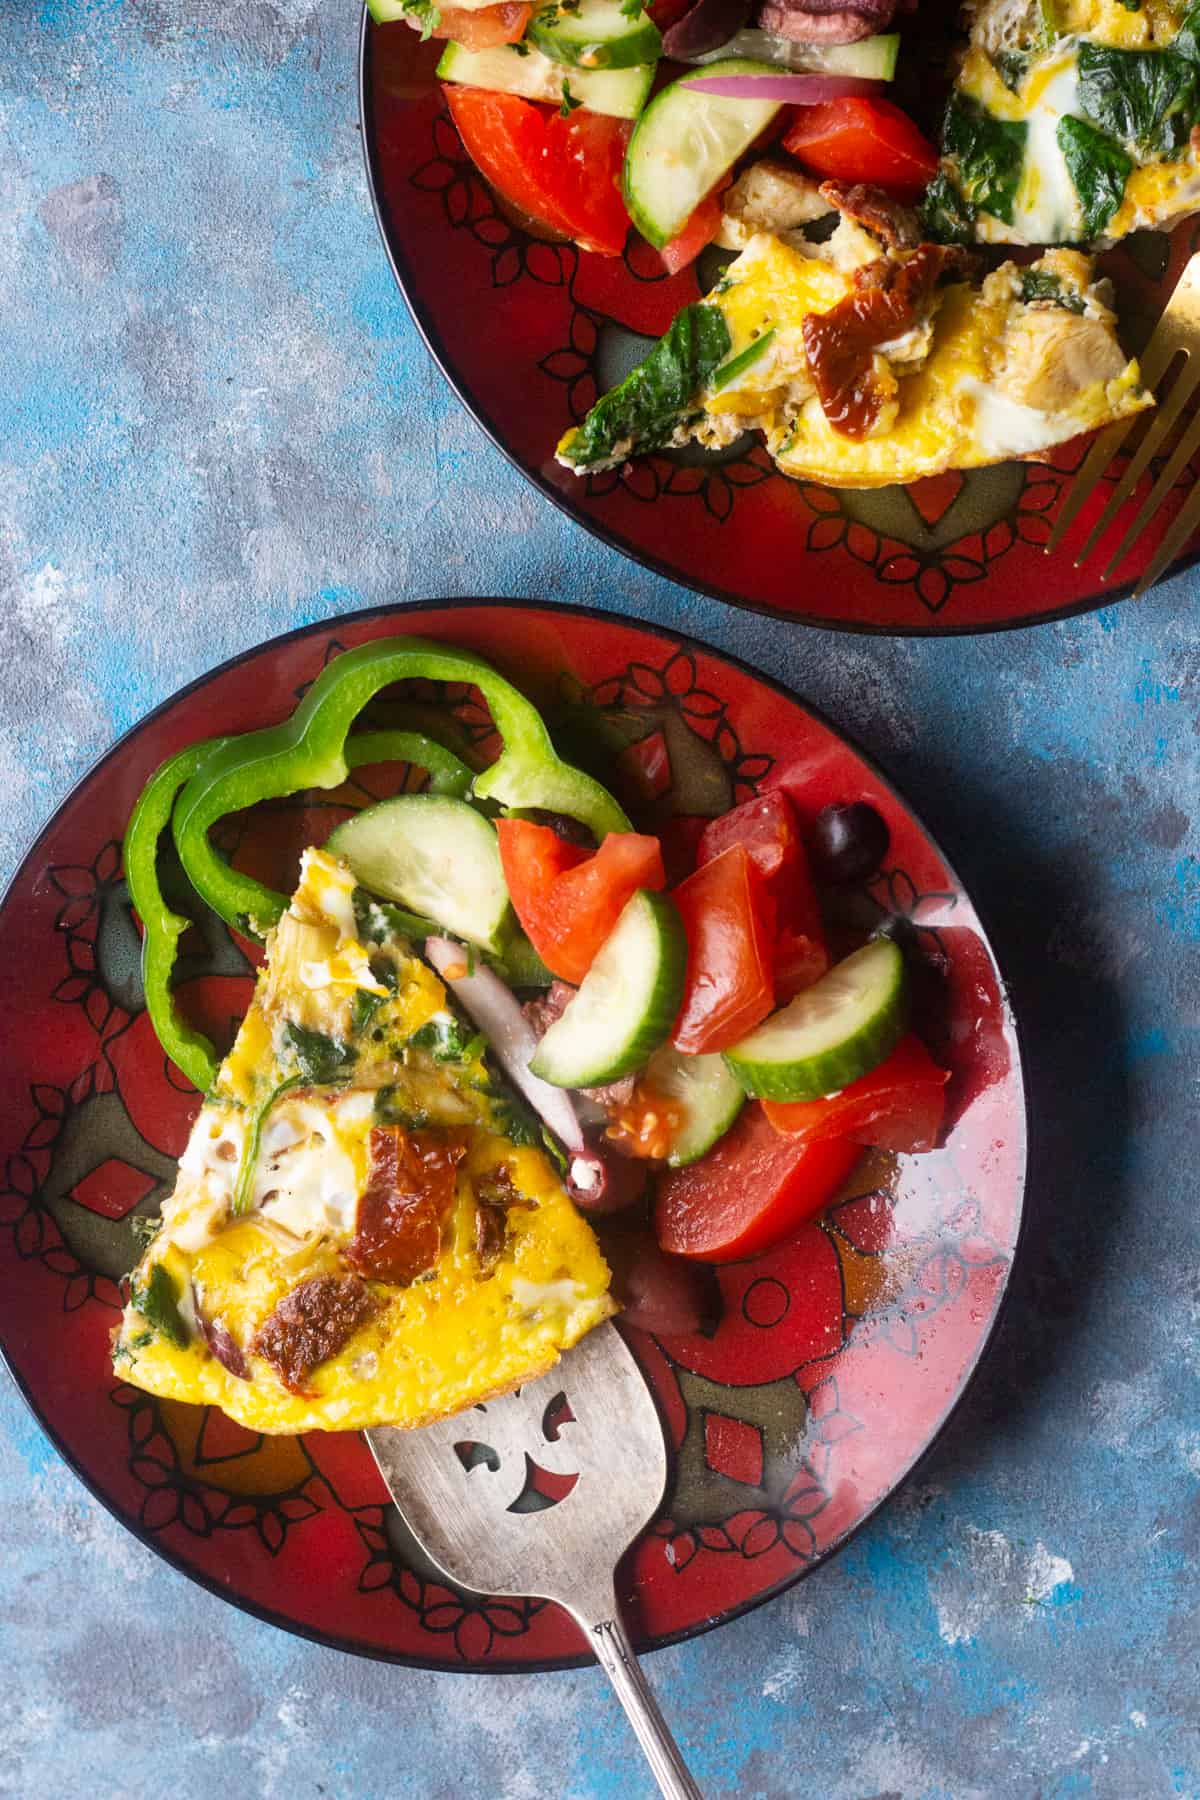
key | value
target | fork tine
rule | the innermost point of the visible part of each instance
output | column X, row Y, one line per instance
column 1182, row 454
column 1159, row 429
column 1159, row 351
column 1092, row 468
column 1186, row 521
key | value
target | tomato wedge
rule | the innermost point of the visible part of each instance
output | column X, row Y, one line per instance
column 698, row 233
column 898, row 1106
column 753, row 1188
column 729, row 920
column 484, row 28
column 569, row 899
column 565, row 173
column 768, row 828
column 863, row 140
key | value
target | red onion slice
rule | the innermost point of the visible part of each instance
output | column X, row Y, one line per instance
column 221, row 1342
column 497, row 1012
column 794, row 90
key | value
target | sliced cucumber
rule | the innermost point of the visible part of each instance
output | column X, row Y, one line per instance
column 595, row 34
column 433, row 855
column 620, row 93
column 627, row 1003
column 683, row 143
column 708, row 1096
column 873, row 58
column 829, row 1035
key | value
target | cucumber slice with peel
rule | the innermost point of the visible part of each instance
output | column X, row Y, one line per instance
column 830, row 1034
column 618, row 93
column 433, row 855
column 682, row 145
column 595, row 34
column 708, row 1096
column 626, row 1004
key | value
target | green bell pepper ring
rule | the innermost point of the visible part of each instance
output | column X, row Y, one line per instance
column 447, row 775
column 308, row 750
column 188, row 1048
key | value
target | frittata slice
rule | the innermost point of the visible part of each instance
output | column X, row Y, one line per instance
column 866, row 363
column 1071, row 121
column 365, row 1231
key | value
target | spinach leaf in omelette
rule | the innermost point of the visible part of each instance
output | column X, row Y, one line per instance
column 158, row 1302
column 1040, row 284
column 322, row 1060
column 644, row 410
column 989, row 153
column 1146, row 99
column 1098, row 168
column 945, row 216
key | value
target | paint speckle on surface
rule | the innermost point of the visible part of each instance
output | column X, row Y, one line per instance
column 217, row 422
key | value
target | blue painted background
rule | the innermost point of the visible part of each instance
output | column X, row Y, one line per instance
column 216, row 422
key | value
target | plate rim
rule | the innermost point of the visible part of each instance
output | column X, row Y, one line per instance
column 612, row 539
column 686, row 641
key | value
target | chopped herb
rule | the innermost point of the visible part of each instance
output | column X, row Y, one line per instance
column 1146, row 99
column 631, row 8
column 554, row 1151
column 1040, row 284
column 427, row 15
column 989, row 154
column 521, row 49
column 512, row 1119
column 157, row 1299
column 322, row 1059
column 1098, row 169
column 445, row 1040
column 127, row 1349
column 145, row 1228
column 569, row 102
column 364, row 1009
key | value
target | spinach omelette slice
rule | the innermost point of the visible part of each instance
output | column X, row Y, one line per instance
column 1070, row 122
column 364, row 1230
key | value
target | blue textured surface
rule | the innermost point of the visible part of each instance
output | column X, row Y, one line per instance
column 216, row 422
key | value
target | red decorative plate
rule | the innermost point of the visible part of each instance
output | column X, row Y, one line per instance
column 838, row 1357
column 528, row 333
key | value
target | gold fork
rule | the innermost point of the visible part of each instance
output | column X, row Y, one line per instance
column 1177, row 332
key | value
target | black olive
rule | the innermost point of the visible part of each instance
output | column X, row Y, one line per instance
column 849, row 842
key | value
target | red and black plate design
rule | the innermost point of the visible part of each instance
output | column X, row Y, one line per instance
column 529, row 333
column 837, row 1356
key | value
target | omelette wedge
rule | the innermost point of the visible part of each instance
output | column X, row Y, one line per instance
column 870, row 357
column 365, row 1230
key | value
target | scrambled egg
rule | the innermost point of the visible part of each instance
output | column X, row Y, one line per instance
column 348, row 1051
column 1126, row 79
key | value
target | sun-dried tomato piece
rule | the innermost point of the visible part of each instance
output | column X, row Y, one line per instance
column 311, row 1324
column 890, row 298
column 405, row 1204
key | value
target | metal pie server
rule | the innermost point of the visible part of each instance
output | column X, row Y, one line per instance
column 540, row 1493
